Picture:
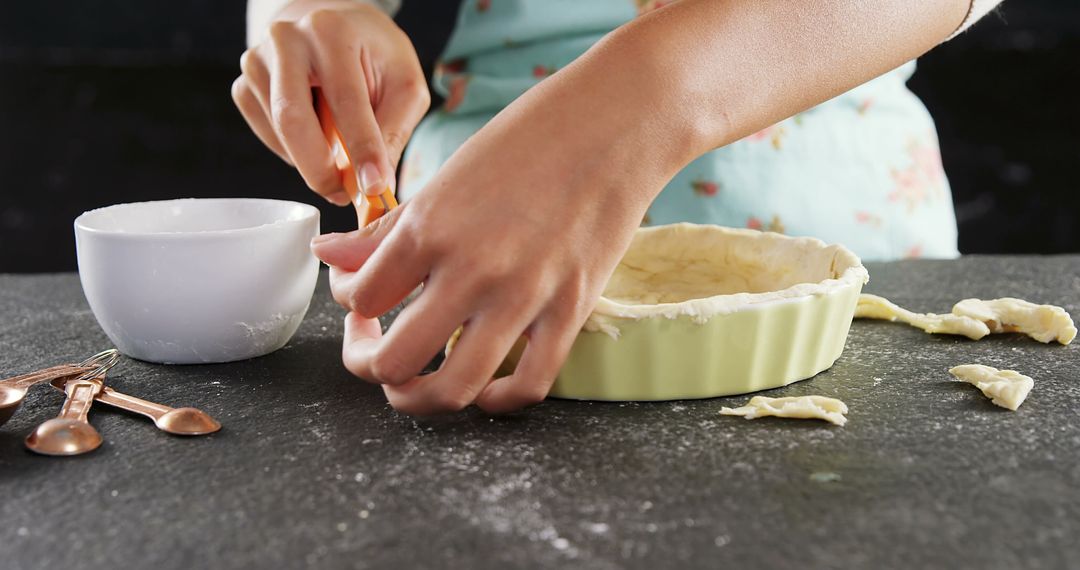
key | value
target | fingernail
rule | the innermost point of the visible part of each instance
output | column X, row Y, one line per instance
column 371, row 180
column 325, row 238
column 338, row 198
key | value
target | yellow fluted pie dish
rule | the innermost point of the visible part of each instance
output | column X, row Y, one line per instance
column 698, row 311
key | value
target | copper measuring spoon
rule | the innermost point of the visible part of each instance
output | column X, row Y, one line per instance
column 13, row 390
column 177, row 421
column 70, row 433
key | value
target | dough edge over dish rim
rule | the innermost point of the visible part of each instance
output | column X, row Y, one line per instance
column 607, row 313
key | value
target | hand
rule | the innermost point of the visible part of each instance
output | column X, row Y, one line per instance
column 367, row 69
column 517, row 235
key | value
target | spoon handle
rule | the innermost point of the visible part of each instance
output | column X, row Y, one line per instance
column 132, row 404
column 46, row 374
column 80, row 396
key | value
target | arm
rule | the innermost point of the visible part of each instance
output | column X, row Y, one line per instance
column 723, row 70
column 521, row 228
column 261, row 12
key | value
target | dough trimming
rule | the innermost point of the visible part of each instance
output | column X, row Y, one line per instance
column 799, row 407
column 1006, row 388
column 976, row 318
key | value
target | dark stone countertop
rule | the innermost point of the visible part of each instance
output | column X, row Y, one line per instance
column 314, row 470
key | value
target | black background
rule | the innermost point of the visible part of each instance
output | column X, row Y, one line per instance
column 120, row 100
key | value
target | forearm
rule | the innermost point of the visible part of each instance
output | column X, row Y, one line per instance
column 700, row 74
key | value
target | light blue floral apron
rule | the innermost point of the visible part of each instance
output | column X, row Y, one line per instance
column 862, row 169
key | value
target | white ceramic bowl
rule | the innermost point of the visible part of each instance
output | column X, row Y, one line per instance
column 198, row 280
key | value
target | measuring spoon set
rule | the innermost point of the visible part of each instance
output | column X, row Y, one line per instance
column 84, row 383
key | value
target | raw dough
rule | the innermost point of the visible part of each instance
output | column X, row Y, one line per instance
column 802, row 407
column 875, row 307
column 975, row 318
column 1044, row 323
column 703, row 271
column 1006, row 388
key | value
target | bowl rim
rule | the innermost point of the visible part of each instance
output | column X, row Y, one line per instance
column 309, row 212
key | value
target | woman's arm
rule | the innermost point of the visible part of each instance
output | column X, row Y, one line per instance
column 261, row 12
column 520, row 230
column 720, row 70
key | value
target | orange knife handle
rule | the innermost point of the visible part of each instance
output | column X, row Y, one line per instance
column 371, row 208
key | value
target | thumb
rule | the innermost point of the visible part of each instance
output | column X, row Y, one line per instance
column 349, row 251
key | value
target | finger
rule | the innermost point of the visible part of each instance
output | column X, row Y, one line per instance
column 465, row 373
column 340, row 283
column 350, row 250
column 344, row 84
column 392, row 289
column 344, row 291
column 294, row 116
column 549, row 344
column 418, row 334
column 399, row 114
column 359, row 333
column 396, row 267
column 256, row 118
column 372, row 294
column 258, row 78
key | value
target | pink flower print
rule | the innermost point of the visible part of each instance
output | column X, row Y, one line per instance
column 926, row 159
column 458, row 86
column 914, row 252
column 775, row 134
column 483, row 5
column 705, row 187
column 867, row 218
column 909, row 188
column 645, row 6
column 542, row 71
column 452, row 66
column 776, row 225
column 864, row 105
column 922, row 175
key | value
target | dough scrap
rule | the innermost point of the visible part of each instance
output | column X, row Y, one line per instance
column 875, row 307
column 1044, row 323
column 976, row 318
column 1006, row 388
column 801, row 407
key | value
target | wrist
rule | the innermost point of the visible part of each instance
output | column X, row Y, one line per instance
column 627, row 111
column 297, row 9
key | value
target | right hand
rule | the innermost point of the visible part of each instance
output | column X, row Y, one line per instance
column 369, row 73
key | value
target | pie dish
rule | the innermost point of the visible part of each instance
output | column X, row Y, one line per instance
column 699, row 311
